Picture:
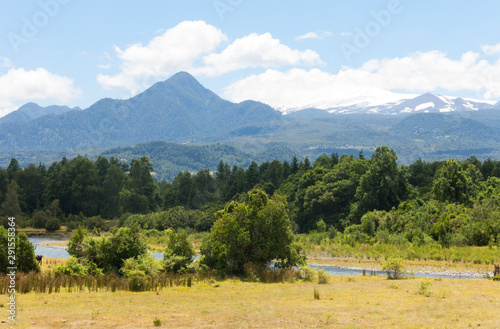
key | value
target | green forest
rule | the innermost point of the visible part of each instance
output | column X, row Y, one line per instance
column 367, row 200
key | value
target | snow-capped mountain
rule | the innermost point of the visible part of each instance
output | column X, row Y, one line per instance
column 425, row 103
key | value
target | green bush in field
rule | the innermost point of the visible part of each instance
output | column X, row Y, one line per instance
column 137, row 280
column 394, row 267
column 179, row 253
column 323, row 277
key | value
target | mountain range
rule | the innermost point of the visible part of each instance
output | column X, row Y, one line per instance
column 180, row 110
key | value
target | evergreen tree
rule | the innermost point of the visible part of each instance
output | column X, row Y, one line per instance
column 10, row 207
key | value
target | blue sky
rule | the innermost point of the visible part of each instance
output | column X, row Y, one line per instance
column 285, row 53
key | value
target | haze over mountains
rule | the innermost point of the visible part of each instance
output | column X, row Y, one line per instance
column 181, row 110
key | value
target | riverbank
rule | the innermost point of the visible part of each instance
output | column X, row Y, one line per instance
column 428, row 267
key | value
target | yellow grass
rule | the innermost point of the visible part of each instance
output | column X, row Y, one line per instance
column 346, row 302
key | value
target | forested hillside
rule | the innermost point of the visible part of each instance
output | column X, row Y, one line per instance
column 366, row 198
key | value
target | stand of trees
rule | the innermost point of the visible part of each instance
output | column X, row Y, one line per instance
column 451, row 202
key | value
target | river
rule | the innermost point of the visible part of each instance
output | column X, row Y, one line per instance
column 61, row 252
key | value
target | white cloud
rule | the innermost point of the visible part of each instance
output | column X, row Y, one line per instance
column 104, row 66
column 298, row 88
column 191, row 46
column 5, row 62
column 371, row 83
column 320, row 35
column 175, row 50
column 309, row 35
column 491, row 49
column 21, row 85
column 256, row 50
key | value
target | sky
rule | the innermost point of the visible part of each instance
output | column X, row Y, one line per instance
column 284, row 53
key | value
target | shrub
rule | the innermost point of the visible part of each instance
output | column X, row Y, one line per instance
column 53, row 224
column 157, row 322
column 307, row 274
column 72, row 267
column 179, row 253
column 323, row 277
column 316, row 294
column 145, row 263
column 394, row 267
column 423, row 288
column 137, row 280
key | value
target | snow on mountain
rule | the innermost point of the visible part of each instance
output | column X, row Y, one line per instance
column 393, row 103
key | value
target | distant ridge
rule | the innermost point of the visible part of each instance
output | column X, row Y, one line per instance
column 32, row 111
column 179, row 109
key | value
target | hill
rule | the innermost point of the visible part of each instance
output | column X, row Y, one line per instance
column 178, row 109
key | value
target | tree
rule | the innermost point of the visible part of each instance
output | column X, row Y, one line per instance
column 384, row 185
column 142, row 183
column 257, row 232
column 112, row 185
column 455, row 182
column 178, row 254
column 53, row 224
column 10, row 207
column 108, row 252
column 294, row 167
column 25, row 253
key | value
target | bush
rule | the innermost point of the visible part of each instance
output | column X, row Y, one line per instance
column 307, row 274
column 394, row 267
column 323, row 277
column 53, row 224
column 145, row 262
column 179, row 253
column 137, row 280
column 72, row 267
column 423, row 288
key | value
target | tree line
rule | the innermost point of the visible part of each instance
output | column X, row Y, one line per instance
column 449, row 201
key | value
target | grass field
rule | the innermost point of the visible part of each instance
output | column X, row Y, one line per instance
column 346, row 302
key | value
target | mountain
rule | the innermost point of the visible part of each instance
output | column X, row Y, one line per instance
column 32, row 111
column 179, row 109
column 425, row 103
column 309, row 113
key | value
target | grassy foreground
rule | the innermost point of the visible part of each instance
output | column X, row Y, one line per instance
column 346, row 302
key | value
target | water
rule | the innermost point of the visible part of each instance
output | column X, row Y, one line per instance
column 60, row 252
column 48, row 251
column 338, row 270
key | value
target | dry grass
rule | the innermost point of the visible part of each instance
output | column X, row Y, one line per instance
column 48, row 263
column 363, row 303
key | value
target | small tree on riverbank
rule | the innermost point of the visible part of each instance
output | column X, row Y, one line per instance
column 257, row 232
column 394, row 267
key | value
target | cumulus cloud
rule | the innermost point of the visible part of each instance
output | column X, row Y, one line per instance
column 23, row 85
column 256, row 50
column 299, row 88
column 191, row 46
column 372, row 82
column 175, row 50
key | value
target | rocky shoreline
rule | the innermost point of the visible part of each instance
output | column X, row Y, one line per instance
column 431, row 271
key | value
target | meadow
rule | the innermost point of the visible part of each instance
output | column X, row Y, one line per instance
column 345, row 302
